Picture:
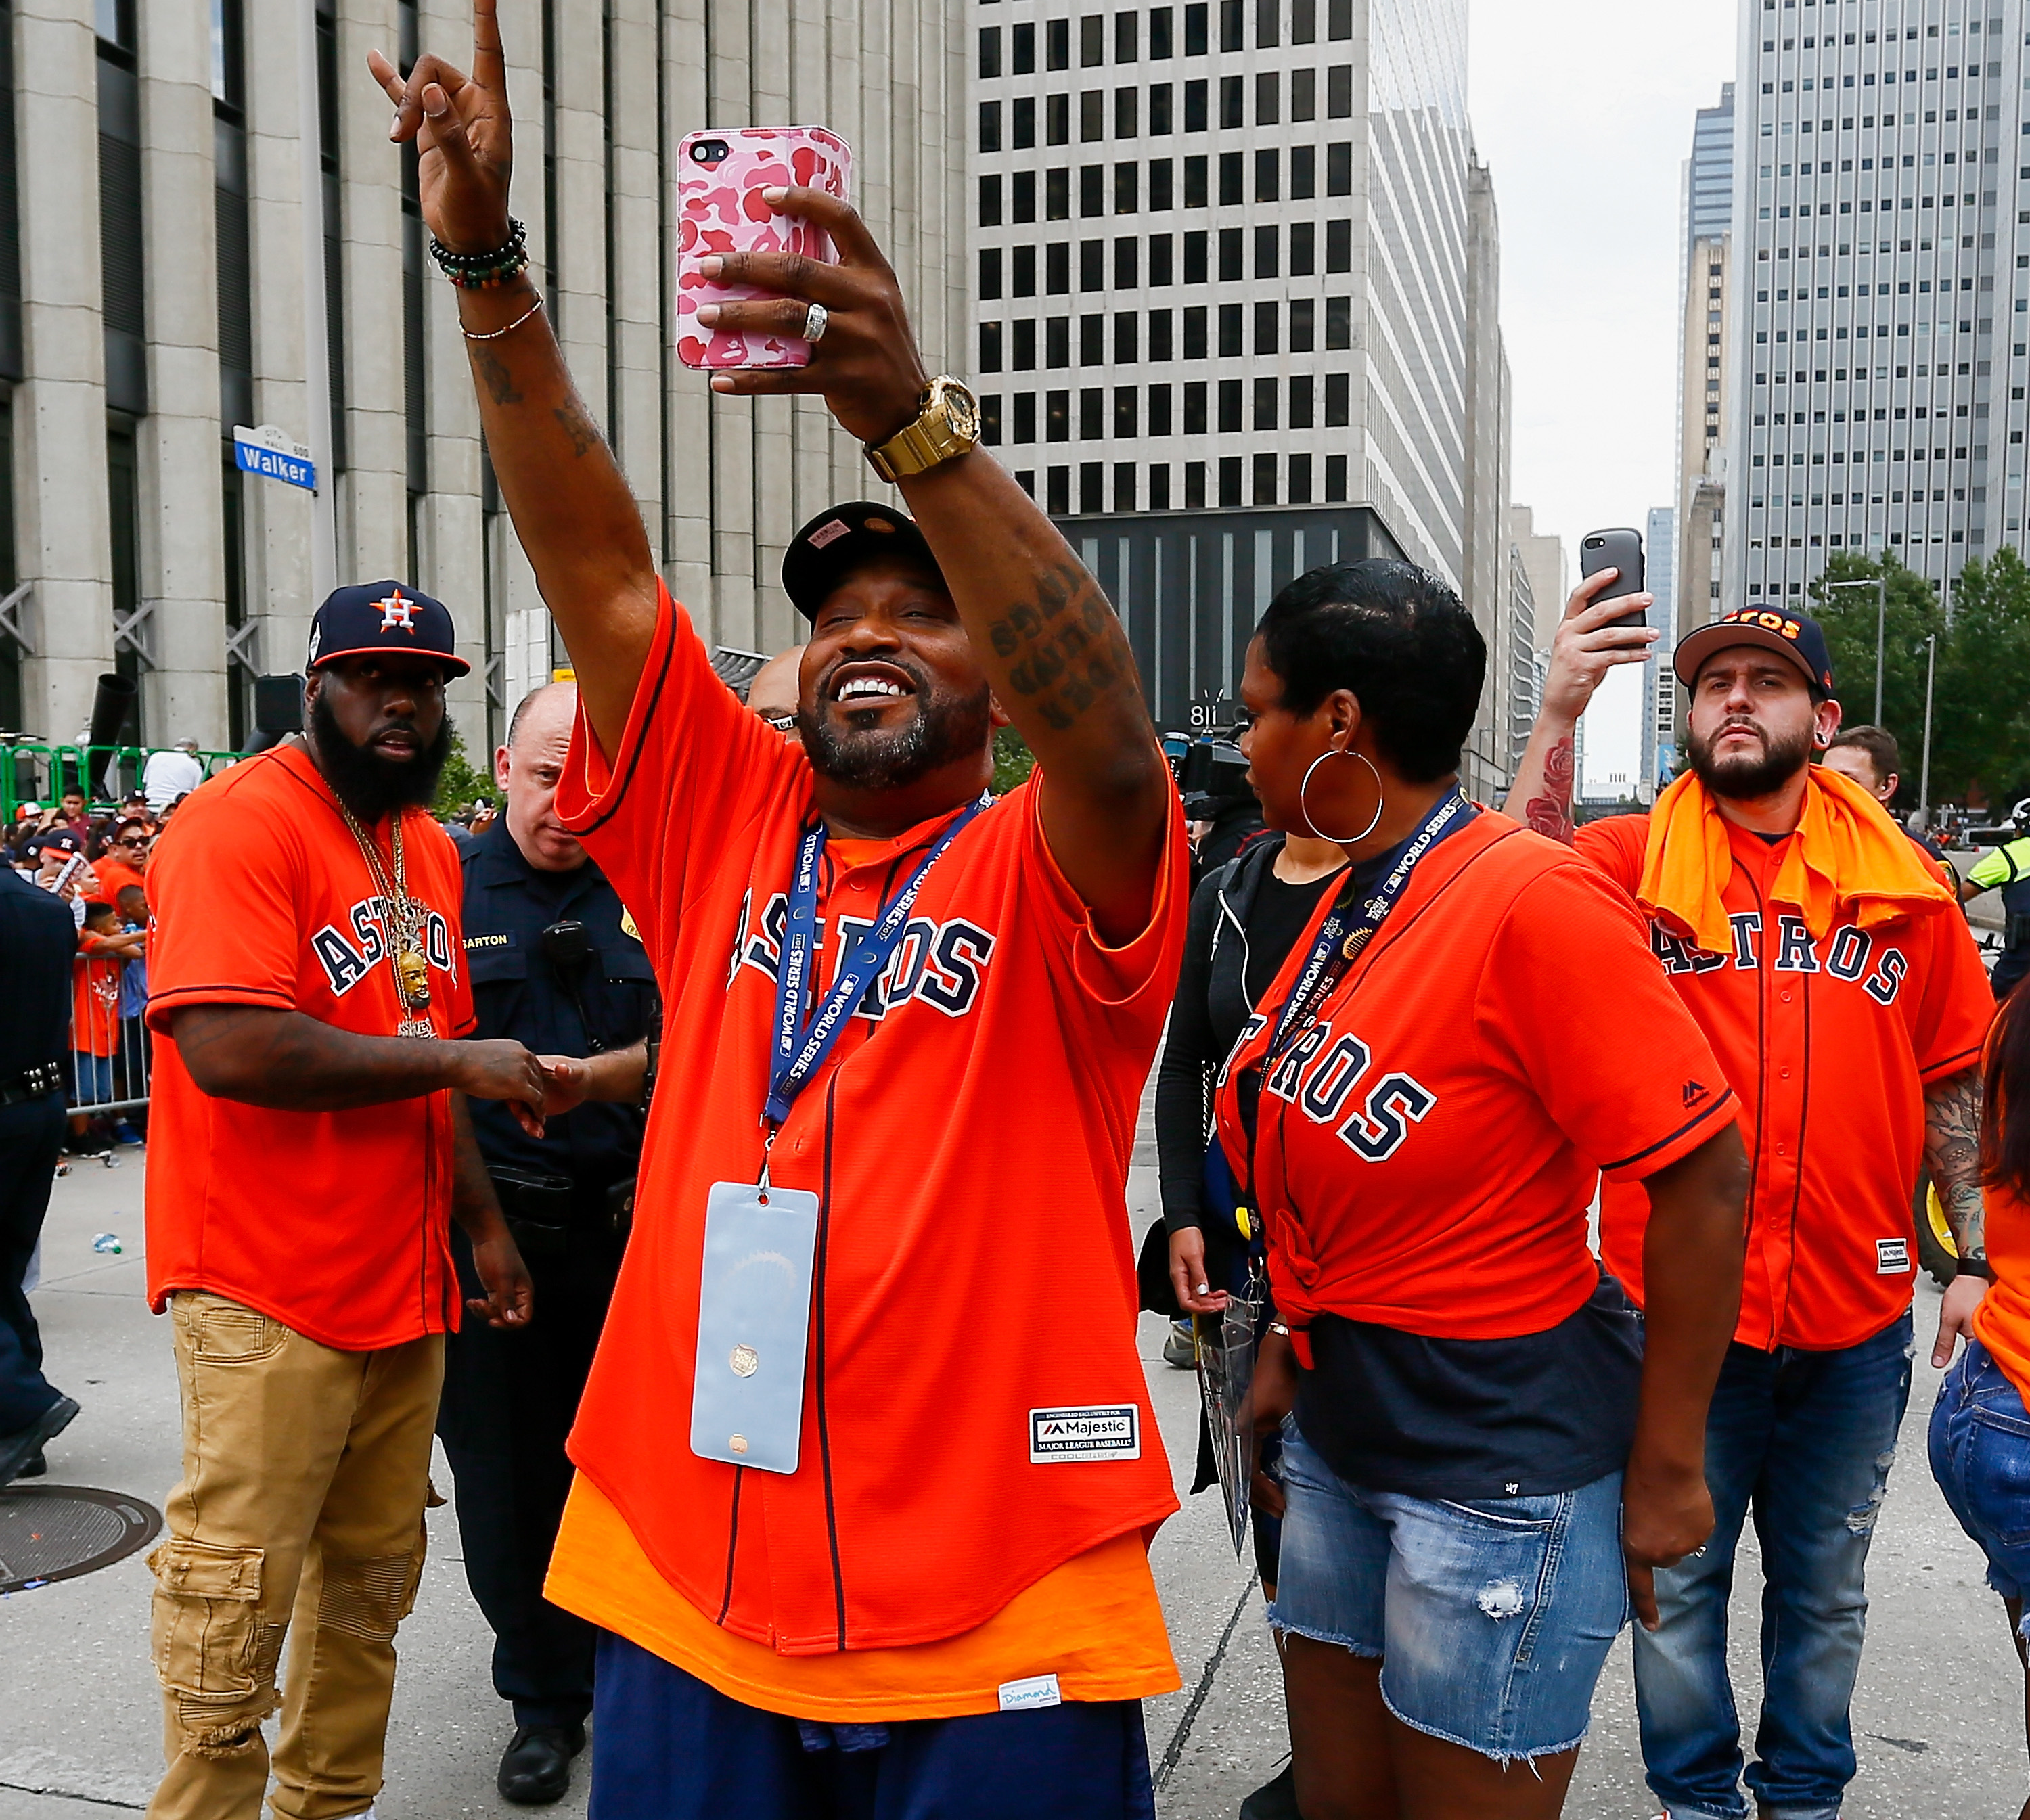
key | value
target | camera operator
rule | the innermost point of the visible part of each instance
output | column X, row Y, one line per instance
column 555, row 965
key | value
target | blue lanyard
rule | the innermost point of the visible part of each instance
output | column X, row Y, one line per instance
column 795, row 1062
column 1346, row 930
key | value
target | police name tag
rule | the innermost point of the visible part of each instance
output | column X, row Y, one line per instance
column 754, row 1323
column 1099, row 1431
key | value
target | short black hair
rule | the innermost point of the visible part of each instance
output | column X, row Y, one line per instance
column 1395, row 637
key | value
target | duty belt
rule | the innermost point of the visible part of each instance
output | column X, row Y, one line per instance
column 34, row 1084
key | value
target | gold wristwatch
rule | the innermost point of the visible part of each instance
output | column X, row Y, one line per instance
column 947, row 424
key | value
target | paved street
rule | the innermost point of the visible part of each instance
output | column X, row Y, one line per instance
column 1937, row 1715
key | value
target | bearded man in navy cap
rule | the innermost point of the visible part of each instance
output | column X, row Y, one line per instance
column 311, row 1146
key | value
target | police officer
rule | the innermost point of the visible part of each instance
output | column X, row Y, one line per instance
column 554, row 962
column 38, row 939
column 2009, row 866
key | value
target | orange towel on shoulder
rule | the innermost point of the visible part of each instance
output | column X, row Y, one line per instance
column 1848, row 853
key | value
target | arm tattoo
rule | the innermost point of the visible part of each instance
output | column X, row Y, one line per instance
column 1069, row 648
column 493, row 374
column 1952, row 1147
column 1551, row 813
column 578, row 425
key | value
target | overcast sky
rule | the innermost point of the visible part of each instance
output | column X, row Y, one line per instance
column 1583, row 109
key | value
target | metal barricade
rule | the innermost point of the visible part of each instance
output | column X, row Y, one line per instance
column 110, row 1047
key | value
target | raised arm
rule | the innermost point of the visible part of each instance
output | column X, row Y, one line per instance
column 1584, row 650
column 570, row 505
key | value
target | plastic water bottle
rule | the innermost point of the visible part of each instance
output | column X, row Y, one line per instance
column 106, row 1242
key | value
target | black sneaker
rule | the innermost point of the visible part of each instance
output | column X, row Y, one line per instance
column 38, row 1465
column 18, row 1449
column 535, row 1769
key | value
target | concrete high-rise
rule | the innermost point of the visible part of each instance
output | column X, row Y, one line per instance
column 1234, row 302
column 1879, row 289
column 1703, row 414
column 127, row 353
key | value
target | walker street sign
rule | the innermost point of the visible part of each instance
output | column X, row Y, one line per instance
column 267, row 451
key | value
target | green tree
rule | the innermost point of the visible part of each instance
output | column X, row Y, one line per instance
column 1012, row 759
column 1848, row 613
column 460, row 786
column 1980, row 740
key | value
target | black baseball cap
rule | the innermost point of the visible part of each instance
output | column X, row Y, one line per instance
column 841, row 539
column 56, row 841
column 374, row 619
column 1796, row 636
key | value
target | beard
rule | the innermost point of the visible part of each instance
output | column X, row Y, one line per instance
column 367, row 784
column 1743, row 779
column 947, row 727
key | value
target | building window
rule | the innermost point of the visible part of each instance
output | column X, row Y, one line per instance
column 990, row 273
column 1339, row 392
column 1195, row 107
column 1304, row 22
column 1229, row 408
column 1159, row 335
column 1057, row 195
column 1125, row 112
column 1025, row 417
column 1339, row 168
column 1197, row 40
column 1125, row 183
column 990, row 50
column 1092, row 266
column 1126, row 249
column 1159, row 32
column 1092, row 486
column 1159, row 488
column 990, row 126
column 1265, row 259
column 1339, row 323
column 990, row 348
column 1092, row 116
column 1092, row 41
column 1303, row 94
column 1338, row 23
column 1057, row 492
column 990, row 201
column 1126, row 323
column 1265, row 314
column 1025, row 347
column 1268, row 175
column 1195, row 408
column 1229, row 332
column 1126, row 33
column 1159, row 261
column 990, row 419
column 1266, row 390
column 1195, row 257
column 1194, row 332
column 1092, row 341
column 1300, row 406
column 1127, row 399
column 1058, row 44
column 1232, row 244
column 1195, row 182
column 1058, row 341
column 1058, row 119
column 1303, row 172
column 1229, row 480
column 1160, row 195
column 1022, row 122
column 1023, row 265
column 1267, row 34
column 1092, row 414
column 1335, row 464
column 1022, row 49
column 1265, row 480
column 1338, row 246
column 1159, row 411
column 1092, row 190
column 1232, row 35
column 1304, row 249
column 1268, row 96
column 1057, row 417
column 1233, row 101
column 1339, row 91
column 1231, row 182
column 1303, row 325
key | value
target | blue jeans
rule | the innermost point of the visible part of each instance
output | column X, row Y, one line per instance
column 1980, row 1457
column 1807, row 1440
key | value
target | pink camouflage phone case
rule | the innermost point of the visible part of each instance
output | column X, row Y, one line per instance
column 719, row 194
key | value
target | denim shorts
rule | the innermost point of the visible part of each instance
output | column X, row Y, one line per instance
column 1980, row 1457
column 1492, row 1616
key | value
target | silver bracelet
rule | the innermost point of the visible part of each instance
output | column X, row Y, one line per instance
column 495, row 334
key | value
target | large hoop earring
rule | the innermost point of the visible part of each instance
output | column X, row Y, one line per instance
column 1374, row 821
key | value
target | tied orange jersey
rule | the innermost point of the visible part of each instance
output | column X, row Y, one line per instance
column 968, row 1139
column 335, row 1223
column 1828, row 1044
column 1425, row 1154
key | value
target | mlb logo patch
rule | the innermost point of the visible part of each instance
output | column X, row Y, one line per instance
column 1892, row 1257
column 1103, row 1432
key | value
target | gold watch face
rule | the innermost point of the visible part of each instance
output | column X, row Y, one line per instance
column 961, row 410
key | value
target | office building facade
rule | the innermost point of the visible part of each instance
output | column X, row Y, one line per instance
column 1879, row 286
column 1705, row 299
column 169, row 131
column 1235, row 309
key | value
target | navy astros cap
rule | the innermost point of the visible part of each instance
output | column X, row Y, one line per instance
column 1798, row 637
column 375, row 618
column 841, row 538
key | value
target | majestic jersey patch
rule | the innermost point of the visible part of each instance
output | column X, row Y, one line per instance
column 1104, row 1432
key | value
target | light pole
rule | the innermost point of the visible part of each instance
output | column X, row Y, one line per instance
column 1880, row 584
column 1924, row 772
column 316, row 348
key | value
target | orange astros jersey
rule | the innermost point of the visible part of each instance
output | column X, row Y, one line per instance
column 968, row 1140
column 335, row 1223
column 1829, row 1045
column 1424, row 1156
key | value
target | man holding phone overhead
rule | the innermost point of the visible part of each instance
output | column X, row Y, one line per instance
column 836, row 1549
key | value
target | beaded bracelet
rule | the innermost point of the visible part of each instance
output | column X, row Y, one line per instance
column 482, row 271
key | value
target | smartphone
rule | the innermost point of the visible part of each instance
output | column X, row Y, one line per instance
column 720, row 210
column 1620, row 549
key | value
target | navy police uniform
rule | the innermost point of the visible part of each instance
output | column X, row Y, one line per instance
column 510, row 1398
column 38, row 939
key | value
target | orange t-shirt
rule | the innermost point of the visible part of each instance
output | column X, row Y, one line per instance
column 335, row 1224
column 1828, row 1046
column 114, row 875
column 1424, row 1155
column 94, row 999
column 971, row 1130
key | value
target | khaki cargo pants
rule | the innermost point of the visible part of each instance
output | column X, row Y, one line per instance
column 305, row 1475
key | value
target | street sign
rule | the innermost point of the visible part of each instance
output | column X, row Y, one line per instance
column 267, row 452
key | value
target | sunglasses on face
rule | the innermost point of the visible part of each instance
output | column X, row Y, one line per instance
column 133, row 840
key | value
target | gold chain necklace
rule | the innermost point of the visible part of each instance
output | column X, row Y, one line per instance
column 405, row 947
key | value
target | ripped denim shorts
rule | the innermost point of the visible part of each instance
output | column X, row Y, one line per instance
column 1492, row 1616
column 1981, row 1456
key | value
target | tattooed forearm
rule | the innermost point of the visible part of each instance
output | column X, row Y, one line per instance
column 1068, row 647
column 1550, row 813
column 493, row 374
column 1952, row 1148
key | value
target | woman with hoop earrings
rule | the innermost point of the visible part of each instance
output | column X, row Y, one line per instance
column 1482, row 1465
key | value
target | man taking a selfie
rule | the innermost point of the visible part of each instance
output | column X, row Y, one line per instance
column 836, row 1545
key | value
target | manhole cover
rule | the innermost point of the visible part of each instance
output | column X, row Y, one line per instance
column 58, row 1532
